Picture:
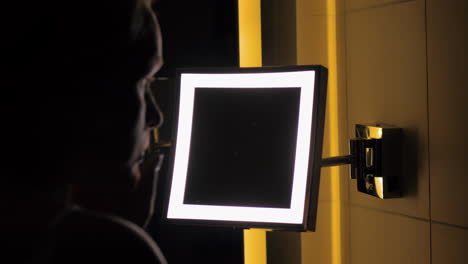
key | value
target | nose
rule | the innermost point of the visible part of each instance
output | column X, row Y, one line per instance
column 154, row 116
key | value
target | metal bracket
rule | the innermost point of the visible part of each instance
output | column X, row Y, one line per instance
column 375, row 160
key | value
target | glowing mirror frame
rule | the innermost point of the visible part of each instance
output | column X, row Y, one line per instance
column 303, row 77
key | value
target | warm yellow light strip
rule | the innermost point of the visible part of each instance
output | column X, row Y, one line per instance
column 334, row 131
column 250, row 33
column 250, row 55
column 255, row 246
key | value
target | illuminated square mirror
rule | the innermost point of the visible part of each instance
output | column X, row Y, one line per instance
column 247, row 147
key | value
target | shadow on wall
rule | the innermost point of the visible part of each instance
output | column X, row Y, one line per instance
column 410, row 162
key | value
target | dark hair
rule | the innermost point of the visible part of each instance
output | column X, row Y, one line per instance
column 106, row 37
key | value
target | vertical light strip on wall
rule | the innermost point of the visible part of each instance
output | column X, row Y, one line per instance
column 250, row 35
column 250, row 55
column 255, row 250
column 334, row 131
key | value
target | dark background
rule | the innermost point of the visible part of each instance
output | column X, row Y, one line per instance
column 243, row 146
column 202, row 33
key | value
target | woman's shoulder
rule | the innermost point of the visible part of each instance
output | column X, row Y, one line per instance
column 83, row 235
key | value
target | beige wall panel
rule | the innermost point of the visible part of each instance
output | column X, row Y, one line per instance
column 312, row 7
column 342, row 92
column 340, row 182
column 449, row 244
column 329, row 241
column 325, row 192
column 345, row 233
column 320, row 7
column 311, row 38
column 386, row 77
column 316, row 246
column 448, row 109
column 379, row 237
column 354, row 5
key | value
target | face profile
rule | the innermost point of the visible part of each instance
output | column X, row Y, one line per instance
column 86, row 186
column 112, row 124
column 99, row 109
